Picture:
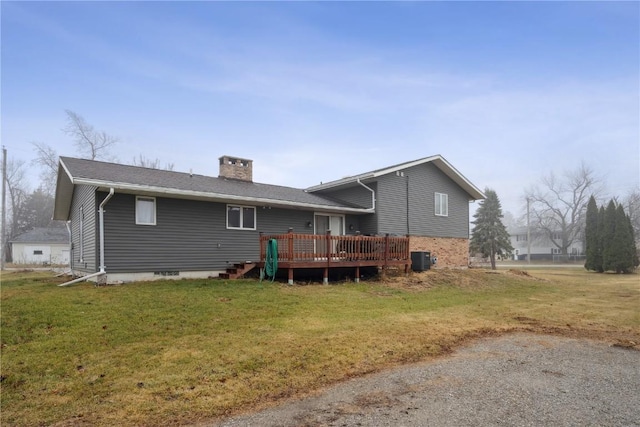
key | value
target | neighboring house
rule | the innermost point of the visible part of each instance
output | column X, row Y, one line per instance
column 158, row 223
column 44, row 246
column 542, row 248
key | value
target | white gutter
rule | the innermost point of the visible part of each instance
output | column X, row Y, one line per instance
column 373, row 194
column 218, row 197
column 102, row 266
column 101, row 212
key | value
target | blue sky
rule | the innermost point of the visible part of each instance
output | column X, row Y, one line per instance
column 314, row 91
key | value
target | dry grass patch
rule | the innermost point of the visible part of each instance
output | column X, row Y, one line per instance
column 179, row 352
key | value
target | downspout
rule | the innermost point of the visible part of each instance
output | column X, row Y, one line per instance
column 408, row 207
column 101, row 211
column 83, row 278
column 102, row 266
column 373, row 194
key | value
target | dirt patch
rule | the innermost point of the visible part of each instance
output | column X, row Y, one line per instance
column 462, row 278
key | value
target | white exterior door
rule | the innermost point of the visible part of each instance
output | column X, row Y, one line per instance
column 331, row 223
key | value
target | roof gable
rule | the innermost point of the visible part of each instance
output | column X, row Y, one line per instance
column 439, row 161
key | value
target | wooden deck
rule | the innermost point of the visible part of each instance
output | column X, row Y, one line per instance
column 296, row 251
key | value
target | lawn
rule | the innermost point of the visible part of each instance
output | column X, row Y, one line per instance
column 180, row 352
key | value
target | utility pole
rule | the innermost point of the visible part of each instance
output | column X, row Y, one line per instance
column 3, row 230
column 528, row 235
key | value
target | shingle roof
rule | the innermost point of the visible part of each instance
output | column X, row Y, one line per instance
column 43, row 235
column 156, row 181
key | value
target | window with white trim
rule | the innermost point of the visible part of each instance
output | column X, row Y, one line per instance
column 442, row 204
column 241, row 217
column 145, row 210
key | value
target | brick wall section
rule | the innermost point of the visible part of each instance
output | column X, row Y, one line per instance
column 451, row 252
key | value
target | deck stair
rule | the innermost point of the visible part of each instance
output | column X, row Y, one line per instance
column 238, row 270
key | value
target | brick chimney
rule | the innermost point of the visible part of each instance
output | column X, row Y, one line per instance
column 236, row 168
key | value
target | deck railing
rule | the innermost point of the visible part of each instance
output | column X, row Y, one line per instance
column 293, row 248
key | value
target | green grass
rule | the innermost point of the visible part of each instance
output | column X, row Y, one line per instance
column 178, row 352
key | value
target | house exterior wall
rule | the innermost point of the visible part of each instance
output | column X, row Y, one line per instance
column 419, row 184
column 405, row 205
column 189, row 235
column 84, row 200
column 356, row 195
column 360, row 196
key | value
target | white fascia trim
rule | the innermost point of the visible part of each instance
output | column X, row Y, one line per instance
column 368, row 175
column 66, row 171
column 144, row 189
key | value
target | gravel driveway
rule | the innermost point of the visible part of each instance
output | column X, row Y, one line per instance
column 513, row 380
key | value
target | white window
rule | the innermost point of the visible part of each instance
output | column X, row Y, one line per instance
column 442, row 204
column 145, row 210
column 241, row 217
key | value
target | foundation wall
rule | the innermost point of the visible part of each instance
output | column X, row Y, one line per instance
column 451, row 252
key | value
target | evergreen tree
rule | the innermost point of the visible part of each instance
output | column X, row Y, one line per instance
column 601, row 239
column 594, row 257
column 489, row 235
column 617, row 239
column 608, row 249
column 635, row 261
column 620, row 255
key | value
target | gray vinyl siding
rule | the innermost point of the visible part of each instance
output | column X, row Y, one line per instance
column 84, row 196
column 360, row 196
column 189, row 235
column 391, row 206
column 357, row 195
column 421, row 183
column 424, row 182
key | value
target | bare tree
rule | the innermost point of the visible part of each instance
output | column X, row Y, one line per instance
column 558, row 205
column 17, row 191
column 631, row 204
column 47, row 159
column 90, row 143
column 144, row 162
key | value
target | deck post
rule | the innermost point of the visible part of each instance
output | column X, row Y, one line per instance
column 357, row 278
column 325, row 278
column 290, row 256
column 407, row 255
column 386, row 251
column 290, row 245
column 262, row 253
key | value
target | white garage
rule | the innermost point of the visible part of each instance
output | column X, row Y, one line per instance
column 41, row 246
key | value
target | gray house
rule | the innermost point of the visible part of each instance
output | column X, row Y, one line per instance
column 134, row 223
